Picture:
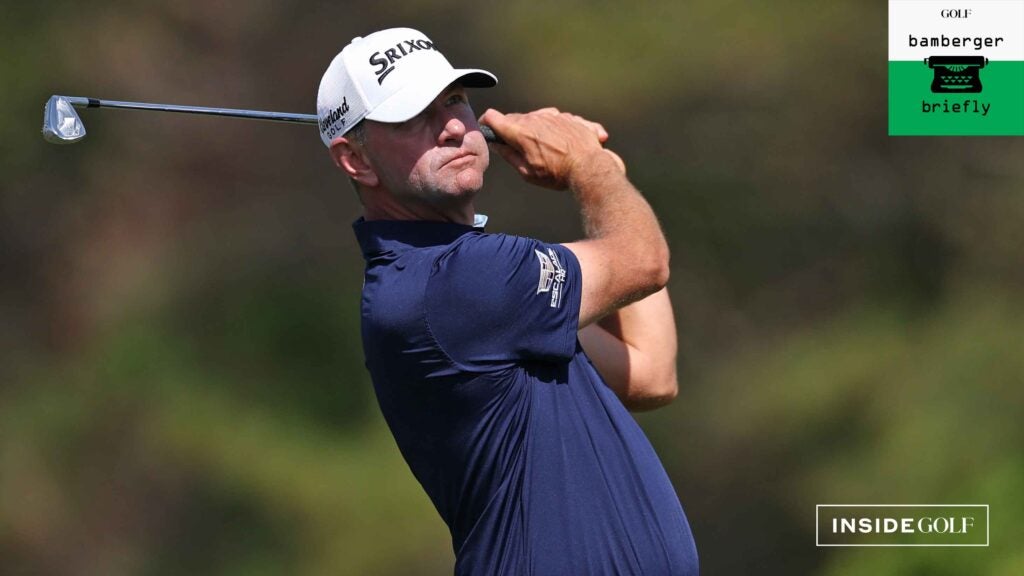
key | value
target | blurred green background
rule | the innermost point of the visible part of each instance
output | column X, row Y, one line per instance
column 181, row 379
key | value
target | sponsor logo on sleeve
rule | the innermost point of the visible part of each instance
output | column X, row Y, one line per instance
column 552, row 276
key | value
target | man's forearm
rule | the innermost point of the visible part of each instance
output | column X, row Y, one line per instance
column 616, row 214
column 634, row 350
column 612, row 207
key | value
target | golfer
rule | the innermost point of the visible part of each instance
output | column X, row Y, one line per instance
column 504, row 365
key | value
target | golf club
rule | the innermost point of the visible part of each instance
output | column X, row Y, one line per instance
column 62, row 125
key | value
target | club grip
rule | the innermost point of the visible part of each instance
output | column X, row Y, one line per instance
column 489, row 135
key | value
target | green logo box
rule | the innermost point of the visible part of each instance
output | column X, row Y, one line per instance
column 915, row 110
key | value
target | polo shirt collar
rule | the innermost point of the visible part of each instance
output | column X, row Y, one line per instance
column 379, row 236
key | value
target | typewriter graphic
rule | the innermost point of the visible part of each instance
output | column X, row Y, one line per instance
column 956, row 73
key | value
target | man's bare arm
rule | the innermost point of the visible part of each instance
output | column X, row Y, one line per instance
column 634, row 349
column 624, row 257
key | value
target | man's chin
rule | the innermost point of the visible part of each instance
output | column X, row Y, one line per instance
column 468, row 182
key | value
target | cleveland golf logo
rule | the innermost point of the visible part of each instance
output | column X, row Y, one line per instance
column 959, row 48
column 386, row 62
column 334, row 116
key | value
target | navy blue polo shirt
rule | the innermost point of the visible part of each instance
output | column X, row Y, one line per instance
column 531, row 460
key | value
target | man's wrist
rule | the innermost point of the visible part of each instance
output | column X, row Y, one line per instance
column 597, row 167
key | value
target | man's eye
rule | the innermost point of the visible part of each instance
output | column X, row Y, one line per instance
column 457, row 99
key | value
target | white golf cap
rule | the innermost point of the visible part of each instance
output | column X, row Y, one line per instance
column 388, row 76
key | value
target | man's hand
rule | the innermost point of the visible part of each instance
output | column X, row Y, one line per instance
column 551, row 148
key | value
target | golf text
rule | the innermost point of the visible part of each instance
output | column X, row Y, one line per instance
column 957, row 13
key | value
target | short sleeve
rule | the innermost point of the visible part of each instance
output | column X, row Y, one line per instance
column 494, row 299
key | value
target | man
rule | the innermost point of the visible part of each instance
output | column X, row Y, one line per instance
column 504, row 365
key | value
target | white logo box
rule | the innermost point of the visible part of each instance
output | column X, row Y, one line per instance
column 817, row 530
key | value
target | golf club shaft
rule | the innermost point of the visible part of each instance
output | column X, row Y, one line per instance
column 82, row 102
column 79, row 102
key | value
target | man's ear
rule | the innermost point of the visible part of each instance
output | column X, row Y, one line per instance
column 351, row 159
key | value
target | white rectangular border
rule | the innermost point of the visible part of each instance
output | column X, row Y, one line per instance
column 817, row 531
column 1004, row 18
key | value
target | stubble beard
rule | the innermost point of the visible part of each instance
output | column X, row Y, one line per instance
column 448, row 187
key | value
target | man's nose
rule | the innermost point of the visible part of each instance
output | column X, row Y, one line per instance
column 452, row 132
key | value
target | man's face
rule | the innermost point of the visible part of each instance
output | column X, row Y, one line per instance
column 439, row 156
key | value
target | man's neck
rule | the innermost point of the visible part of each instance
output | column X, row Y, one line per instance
column 466, row 218
column 390, row 209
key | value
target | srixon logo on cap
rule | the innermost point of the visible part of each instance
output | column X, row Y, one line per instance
column 386, row 61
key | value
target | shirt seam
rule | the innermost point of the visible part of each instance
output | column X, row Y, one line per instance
column 452, row 362
column 573, row 326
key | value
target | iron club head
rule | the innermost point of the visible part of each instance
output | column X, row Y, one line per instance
column 61, row 124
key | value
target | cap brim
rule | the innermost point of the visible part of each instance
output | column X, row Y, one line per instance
column 415, row 97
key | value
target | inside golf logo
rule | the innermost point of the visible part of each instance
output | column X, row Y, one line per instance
column 958, row 90
column 902, row 524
